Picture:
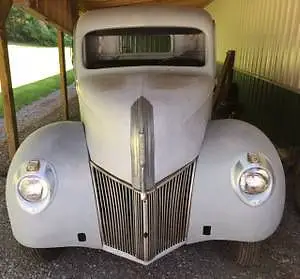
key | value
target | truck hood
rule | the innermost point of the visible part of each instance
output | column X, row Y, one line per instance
column 181, row 109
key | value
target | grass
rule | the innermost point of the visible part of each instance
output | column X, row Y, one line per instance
column 27, row 94
column 12, row 43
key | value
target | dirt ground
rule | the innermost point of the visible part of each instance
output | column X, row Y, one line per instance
column 280, row 254
column 34, row 116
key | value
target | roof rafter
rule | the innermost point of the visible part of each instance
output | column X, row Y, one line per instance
column 98, row 4
column 5, row 8
column 64, row 13
column 60, row 13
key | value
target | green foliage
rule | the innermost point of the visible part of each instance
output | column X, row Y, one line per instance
column 27, row 94
column 24, row 28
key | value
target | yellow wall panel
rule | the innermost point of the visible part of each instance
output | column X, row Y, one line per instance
column 265, row 34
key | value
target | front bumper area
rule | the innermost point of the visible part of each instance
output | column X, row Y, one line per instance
column 112, row 214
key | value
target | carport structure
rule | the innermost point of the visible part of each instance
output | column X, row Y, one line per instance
column 265, row 34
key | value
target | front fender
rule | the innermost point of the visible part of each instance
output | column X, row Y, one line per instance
column 73, row 208
column 214, row 201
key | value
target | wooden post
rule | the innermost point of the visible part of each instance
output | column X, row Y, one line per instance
column 63, row 75
column 231, row 70
column 6, row 85
column 74, row 11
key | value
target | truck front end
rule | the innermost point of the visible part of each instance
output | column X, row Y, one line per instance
column 146, row 171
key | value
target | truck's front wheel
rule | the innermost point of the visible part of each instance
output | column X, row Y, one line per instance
column 247, row 253
column 44, row 255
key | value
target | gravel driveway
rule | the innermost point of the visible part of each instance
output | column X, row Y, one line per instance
column 280, row 257
column 38, row 114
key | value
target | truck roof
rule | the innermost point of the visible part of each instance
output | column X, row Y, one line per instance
column 142, row 16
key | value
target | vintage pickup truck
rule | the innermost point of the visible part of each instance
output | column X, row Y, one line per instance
column 146, row 170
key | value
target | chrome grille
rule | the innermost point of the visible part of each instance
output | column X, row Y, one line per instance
column 143, row 225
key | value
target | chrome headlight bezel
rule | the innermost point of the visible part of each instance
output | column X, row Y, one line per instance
column 44, row 172
column 255, row 164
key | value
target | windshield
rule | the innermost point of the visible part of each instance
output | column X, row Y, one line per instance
column 144, row 46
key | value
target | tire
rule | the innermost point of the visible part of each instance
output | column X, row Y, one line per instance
column 43, row 255
column 247, row 253
column 297, row 194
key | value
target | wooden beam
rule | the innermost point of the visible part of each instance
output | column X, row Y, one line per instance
column 98, row 4
column 74, row 9
column 63, row 75
column 6, row 84
column 225, row 80
column 5, row 6
column 55, row 12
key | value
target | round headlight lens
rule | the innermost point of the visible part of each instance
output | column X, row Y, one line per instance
column 255, row 181
column 252, row 178
column 35, row 183
column 33, row 189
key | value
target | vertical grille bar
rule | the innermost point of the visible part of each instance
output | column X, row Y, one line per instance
column 139, row 227
column 122, row 213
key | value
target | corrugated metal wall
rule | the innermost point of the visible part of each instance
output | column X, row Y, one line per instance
column 266, row 35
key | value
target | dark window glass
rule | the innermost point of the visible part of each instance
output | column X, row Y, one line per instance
column 144, row 46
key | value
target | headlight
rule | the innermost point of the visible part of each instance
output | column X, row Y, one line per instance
column 35, row 184
column 252, row 178
column 33, row 188
column 255, row 181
